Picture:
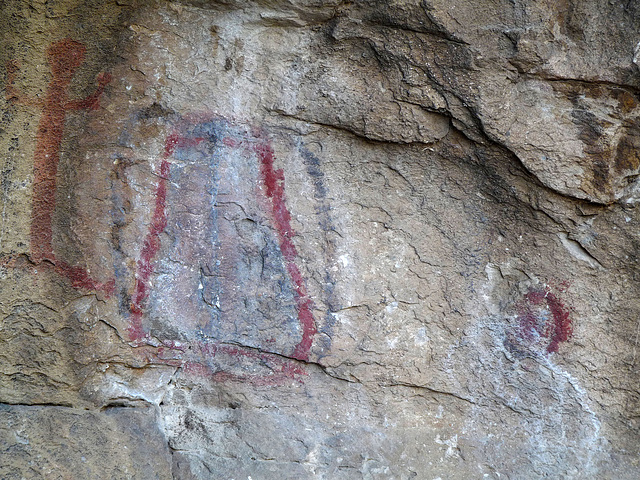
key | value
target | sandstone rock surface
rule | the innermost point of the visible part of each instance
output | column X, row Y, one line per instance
column 303, row 239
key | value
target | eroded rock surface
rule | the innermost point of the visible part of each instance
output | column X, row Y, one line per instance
column 301, row 239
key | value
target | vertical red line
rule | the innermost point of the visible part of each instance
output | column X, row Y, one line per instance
column 64, row 57
column 151, row 244
column 273, row 181
column 150, row 248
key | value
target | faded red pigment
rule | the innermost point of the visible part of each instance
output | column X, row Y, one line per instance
column 557, row 329
column 274, row 182
column 64, row 57
column 282, row 369
column 151, row 244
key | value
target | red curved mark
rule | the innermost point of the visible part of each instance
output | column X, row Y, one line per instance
column 556, row 327
column 274, row 182
column 559, row 329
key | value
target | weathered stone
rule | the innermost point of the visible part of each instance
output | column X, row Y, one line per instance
column 303, row 239
column 57, row 442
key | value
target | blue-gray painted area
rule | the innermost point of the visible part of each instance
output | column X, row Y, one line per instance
column 220, row 275
column 322, row 207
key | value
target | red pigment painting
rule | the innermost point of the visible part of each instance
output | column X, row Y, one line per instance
column 64, row 57
column 274, row 183
column 193, row 355
column 543, row 322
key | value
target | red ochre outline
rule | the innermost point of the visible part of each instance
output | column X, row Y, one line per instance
column 557, row 329
column 64, row 57
column 151, row 244
column 283, row 369
column 274, row 183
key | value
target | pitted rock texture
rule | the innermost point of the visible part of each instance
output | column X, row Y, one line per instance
column 303, row 239
column 60, row 442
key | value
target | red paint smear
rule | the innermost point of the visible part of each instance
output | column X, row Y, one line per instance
column 230, row 142
column 150, row 248
column 81, row 280
column 275, row 379
column 283, row 370
column 176, row 141
column 274, row 182
column 64, row 57
column 558, row 330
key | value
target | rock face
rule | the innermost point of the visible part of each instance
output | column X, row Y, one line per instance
column 301, row 239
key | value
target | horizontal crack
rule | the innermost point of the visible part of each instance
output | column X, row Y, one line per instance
column 40, row 404
column 401, row 384
column 355, row 132
column 579, row 81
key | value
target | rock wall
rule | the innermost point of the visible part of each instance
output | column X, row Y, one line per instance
column 303, row 239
